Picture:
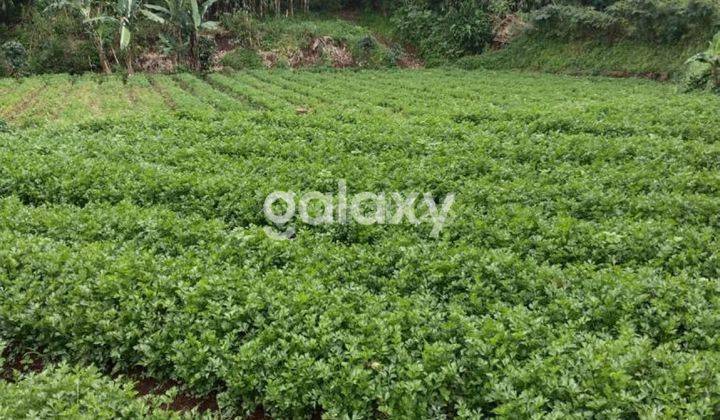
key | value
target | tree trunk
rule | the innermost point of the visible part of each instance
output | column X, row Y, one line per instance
column 194, row 61
column 129, row 62
column 292, row 8
column 104, row 64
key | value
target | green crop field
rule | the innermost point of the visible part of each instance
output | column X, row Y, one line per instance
column 578, row 273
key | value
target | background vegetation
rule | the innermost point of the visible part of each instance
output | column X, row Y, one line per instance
column 650, row 38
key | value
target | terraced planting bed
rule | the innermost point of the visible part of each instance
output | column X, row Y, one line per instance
column 579, row 272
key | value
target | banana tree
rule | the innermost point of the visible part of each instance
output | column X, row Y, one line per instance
column 199, row 25
column 711, row 59
column 127, row 13
column 186, row 20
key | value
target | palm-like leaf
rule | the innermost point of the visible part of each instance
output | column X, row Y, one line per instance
column 157, row 8
column 195, row 13
column 100, row 19
column 125, row 36
column 152, row 16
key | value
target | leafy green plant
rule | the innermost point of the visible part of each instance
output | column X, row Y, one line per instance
column 576, row 278
column 576, row 22
column 14, row 55
column 451, row 32
column 241, row 58
column 707, row 69
column 3, row 344
column 187, row 22
column 96, row 18
column 127, row 13
column 655, row 22
column 57, row 43
column 64, row 391
column 666, row 21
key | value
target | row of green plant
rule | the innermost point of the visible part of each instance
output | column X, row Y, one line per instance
column 576, row 276
column 79, row 393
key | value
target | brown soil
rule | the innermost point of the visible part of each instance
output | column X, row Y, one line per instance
column 660, row 77
column 163, row 93
column 155, row 63
column 19, row 361
column 17, row 110
column 182, row 402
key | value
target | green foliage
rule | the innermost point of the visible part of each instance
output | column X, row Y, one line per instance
column 56, row 43
column 243, row 27
column 206, row 52
column 587, row 57
column 302, row 41
column 96, row 18
column 68, row 392
column 576, row 278
column 242, row 58
column 704, row 71
column 461, row 29
column 3, row 344
column 282, row 33
column 187, row 22
column 576, row 22
column 13, row 57
column 667, row 21
column 648, row 21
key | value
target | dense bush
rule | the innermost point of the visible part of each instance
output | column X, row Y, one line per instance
column 242, row 58
column 13, row 58
column 666, row 21
column 572, row 22
column 55, row 44
column 460, row 29
column 651, row 21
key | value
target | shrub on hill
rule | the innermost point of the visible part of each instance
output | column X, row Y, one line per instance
column 302, row 42
column 441, row 33
column 652, row 21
